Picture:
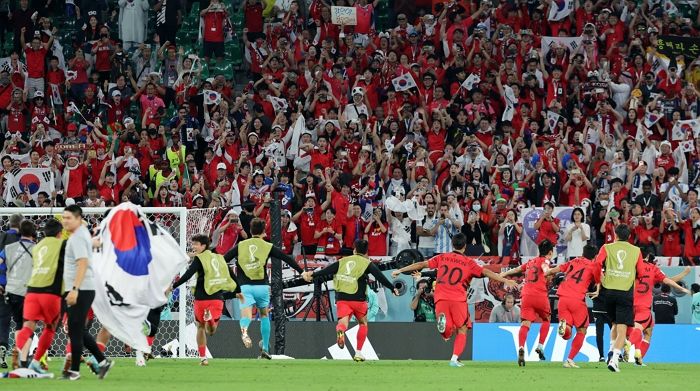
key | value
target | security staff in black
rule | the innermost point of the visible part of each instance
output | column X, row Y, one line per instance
column 350, row 283
column 251, row 264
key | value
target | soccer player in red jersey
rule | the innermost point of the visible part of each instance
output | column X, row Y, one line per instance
column 649, row 276
column 573, row 311
column 454, row 274
column 350, row 280
column 534, row 298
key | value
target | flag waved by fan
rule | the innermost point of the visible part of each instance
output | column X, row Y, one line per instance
column 137, row 262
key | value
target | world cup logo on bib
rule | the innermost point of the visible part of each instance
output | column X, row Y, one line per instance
column 215, row 267
column 621, row 255
column 349, row 266
column 252, row 250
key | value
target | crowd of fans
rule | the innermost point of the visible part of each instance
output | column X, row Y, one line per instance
column 128, row 110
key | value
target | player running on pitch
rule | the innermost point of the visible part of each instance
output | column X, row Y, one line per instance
column 350, row 282
column 647, row 277
column 534, row 298
column 43, row 300
column 214, row 277
column 251, row 263
column 620, row 263
column 454, row 274
column 573, row 311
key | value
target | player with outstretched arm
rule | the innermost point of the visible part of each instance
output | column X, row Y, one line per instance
column 454, row 274
column 572, row 292
column 534, row 298
column 214, row 277
column 350, row 282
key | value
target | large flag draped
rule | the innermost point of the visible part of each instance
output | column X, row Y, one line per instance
column 135, row 266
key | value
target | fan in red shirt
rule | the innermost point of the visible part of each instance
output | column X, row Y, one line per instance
column 329, row 233
column 229, row 232
column 214, row 17
column 75, row 175
column 307, row 218
column 534, row 298
column 647, row 277
column 547, row 226
column 573, row 312
column 454, row 274
column 376, row 233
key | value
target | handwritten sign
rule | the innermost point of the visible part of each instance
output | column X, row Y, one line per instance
column 346, row 16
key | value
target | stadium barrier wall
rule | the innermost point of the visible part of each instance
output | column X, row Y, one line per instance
column 499, row 342
column 316, row 340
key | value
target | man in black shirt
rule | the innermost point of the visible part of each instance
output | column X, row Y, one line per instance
column 350, row 282
column 665, row 307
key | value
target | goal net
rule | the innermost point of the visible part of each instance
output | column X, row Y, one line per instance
column 176, row 334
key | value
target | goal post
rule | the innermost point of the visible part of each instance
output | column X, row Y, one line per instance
column 180, row 222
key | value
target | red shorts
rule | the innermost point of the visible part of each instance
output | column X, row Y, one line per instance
column 456, row 315
column 574, row 312
column 348, row 308
column 533, row 306
column 215, row 307
column 642, row 315
column 43, row 307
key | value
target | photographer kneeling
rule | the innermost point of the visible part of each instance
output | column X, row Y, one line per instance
column 423, row 305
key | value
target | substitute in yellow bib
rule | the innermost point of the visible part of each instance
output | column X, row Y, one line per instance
column 214, row 277
column 350, row 281
column 44, row 289
column 251, row 264
column 619, row 262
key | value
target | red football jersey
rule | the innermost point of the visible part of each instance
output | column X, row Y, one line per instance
column 649, row 276
column 454, row 273
column 579, row 276
column 535, row 278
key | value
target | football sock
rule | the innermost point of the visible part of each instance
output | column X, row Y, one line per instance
column 616, row 355
column 460, row 342
column 150, row 340
column 636, row 337
column 265, row 331
column 245, row 323
column 645, row 347
column 44, row 342
column 101, row 346
column 23, row 336
column 576, row 344
column 361, row 336
column 202, row 351
column 522, row 335
column 567, row 333
column 544, row 330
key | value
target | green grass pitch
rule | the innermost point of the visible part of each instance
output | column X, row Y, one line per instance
column 331, row 375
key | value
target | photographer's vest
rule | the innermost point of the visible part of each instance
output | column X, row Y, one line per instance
column 252, row 257
column 350, row 269
column 46, row 261
column 620, row 265
column 216, row 274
